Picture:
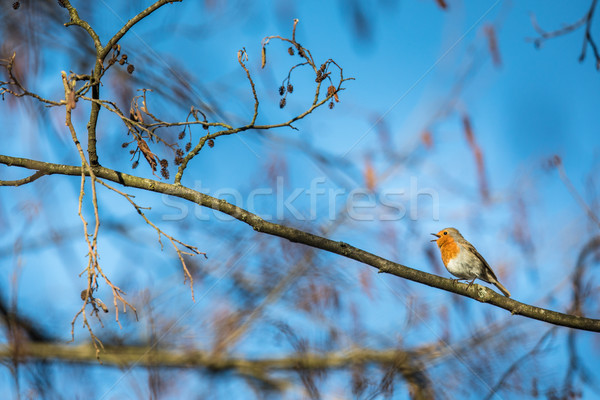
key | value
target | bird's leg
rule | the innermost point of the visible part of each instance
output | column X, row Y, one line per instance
column 455, row 281
column 470, row 283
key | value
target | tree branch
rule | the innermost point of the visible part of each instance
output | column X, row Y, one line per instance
column 101, row 53
column 75, row 20
column 587, row 37
column 23, row 181
column 146, row 356
column 477, row 292
column 115, row 39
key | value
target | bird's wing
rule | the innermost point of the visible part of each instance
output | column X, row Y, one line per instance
column 487, row 267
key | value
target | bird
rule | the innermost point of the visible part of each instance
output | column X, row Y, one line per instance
column 462, row 260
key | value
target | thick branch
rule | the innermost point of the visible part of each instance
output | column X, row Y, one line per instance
column 477, row 292
column 95, row 111
column 146, row 356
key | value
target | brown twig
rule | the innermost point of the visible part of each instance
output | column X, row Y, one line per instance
column 8, row 64
column 232, row 131
column 174, row 242
column 92, row 245
column 243, row 56
column 93, row 268
column 138, row 17
column 99, row 70
column 320, row 73
column 132, row 123
column 23, row 181
column 587, row 38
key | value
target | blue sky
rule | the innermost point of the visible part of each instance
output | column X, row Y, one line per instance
column 538, row 103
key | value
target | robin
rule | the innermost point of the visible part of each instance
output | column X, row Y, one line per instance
column 462, row 260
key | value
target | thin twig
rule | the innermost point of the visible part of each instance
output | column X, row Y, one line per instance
column 23, row 181
column 93, row 268
column 92, row 245
column 587, row 37
column 8, row 64
column 243, row 56
column 174, row 242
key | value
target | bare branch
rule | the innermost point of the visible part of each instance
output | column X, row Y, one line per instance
column 75, row 20
column 144, row 356
column 243, row 56
column 175, row 242
column 117, row 36
column 587, row 38
column 23, row 181
column 14, row 81
column 476, row 292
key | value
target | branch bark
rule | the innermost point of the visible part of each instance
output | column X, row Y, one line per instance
column 117, row 36
column 145, row 356
column 409, row 364
column 101, row 53
column 477, row 292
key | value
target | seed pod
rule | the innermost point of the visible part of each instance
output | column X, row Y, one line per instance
column 102, row 305
column 331, row 90
column 263, row 61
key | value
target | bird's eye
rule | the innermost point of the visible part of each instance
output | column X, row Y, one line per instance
column 445, row 233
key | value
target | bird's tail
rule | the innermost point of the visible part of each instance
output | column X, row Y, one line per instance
column 501, row 287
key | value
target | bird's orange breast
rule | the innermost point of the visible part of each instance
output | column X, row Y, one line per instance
column 449, row 250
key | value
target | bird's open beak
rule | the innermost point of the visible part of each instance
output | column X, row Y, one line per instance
column 436, row 235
